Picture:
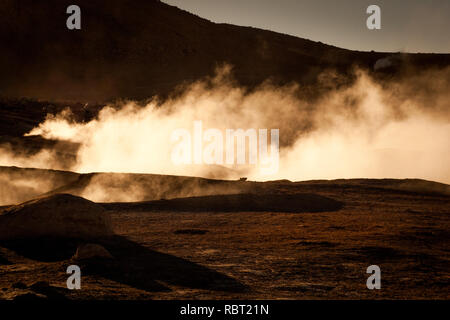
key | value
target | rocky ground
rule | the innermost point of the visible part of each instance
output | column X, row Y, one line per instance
column 162, row 250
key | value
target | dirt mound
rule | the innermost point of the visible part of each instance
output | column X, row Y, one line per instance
column 131, row 187
column 245, row 202
column 60, row 216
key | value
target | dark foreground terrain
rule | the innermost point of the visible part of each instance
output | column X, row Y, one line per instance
column 227, row 247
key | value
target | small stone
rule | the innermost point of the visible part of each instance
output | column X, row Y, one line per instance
column 91, row 250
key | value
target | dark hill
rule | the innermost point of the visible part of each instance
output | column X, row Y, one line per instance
column 136, row 49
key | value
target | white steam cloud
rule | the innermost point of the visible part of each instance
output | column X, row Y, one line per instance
column 364, row 130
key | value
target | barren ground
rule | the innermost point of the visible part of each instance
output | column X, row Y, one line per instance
column 163, row 253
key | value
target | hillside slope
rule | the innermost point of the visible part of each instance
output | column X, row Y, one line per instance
column 149, row 48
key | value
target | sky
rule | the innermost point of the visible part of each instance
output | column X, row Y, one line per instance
column 406, row 25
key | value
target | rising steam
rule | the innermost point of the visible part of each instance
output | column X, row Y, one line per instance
column 400, row 130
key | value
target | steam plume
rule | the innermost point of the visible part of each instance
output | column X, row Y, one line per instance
column 365, row 130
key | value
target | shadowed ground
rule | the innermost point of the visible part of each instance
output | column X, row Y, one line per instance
column 189, row 248
column 236, row 203
column 133, row 265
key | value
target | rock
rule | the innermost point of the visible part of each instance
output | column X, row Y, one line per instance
column 91, row 250
column 30, row 297
column 19, row 285
column 40, row 285
column 43, row 288
column 60, row 216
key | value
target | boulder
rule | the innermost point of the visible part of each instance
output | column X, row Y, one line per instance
column 59, row 216
column 90, row 251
